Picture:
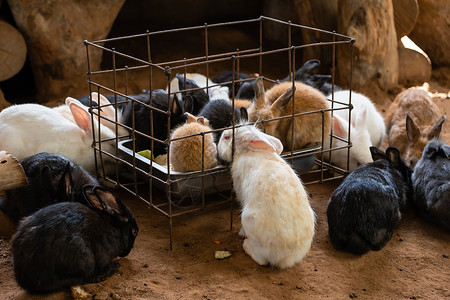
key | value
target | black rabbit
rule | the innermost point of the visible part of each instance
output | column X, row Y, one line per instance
column 431, row 184
column 220, row 115
column 70, row 243
column 139, row 114
column 227, row 76
column 51, row 178
column 192, row 101
column 364, row 209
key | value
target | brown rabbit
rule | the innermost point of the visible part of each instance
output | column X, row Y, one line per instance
column 413, row 120
column 276, row 103
column 186, row 153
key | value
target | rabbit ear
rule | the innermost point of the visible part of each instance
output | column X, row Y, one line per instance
column 65, row 185
column 276, row 143
column 280, row 104
column 338, row 128
column 80, row 114
column 175, row 106
column 244, row 114
column 258, row 141
column 446, row 150
column 201, row 120
column 377, row 153
column 190, row 118
column 260, row 93
column 309, row 66
column 436, row 129
column 431, row 150
column 107, row 109
column 393, row 156
column 412, row 131
column 111, row 204
column 188, row 104
column 91, row 198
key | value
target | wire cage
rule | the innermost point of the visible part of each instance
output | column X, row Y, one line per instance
column 140, row 62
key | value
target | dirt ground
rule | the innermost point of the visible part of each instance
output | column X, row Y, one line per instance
column 415, row 264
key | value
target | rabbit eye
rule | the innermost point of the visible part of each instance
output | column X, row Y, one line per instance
column 134, row 231
column 226, row 138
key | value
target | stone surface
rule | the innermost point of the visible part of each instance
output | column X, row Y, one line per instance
column 432, row 31
column 54, row 32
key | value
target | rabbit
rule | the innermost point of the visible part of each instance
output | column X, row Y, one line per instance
column 220, row 115
column 199, row 79
column 431, row 184
column 363, row 211
column 51, row 178
column 374, row 122
column 277, row 219
column 304, row 74
column 139, row 113
column 411, row 121
column 186, row 154
column 227, row 77
column 28, row 129
column 360, row 139
column 193, row 101
column 276, row 102
column 69, row 243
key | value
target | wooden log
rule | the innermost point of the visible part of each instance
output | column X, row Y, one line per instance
column 406, row 13
column 13, row 51
column 371, row 23
column 12, row 173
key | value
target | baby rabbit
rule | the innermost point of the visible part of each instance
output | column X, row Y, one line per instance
column 193, row 101
column 186, row 153
column 51, row 178
column 27, row 129
column 276, row 102
column 137, row 115
column 422, row 123
column 69, row 243
column 277, row 220
column 431, row 184
column 363, row 211
column 220, row 115
column 359, row 152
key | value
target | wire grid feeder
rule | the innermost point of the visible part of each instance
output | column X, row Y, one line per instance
column 185, row 192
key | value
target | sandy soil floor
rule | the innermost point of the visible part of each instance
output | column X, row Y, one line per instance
column 415, row 264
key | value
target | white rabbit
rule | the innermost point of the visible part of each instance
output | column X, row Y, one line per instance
column 374, row 120
column 28, row 129
column 214, row 93
column 277, row 220
column 360, row 150
column 107, row 114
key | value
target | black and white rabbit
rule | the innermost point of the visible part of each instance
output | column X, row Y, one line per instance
column 220, row 115
column 431, row 184
column 227, row 76
column 192, row 101
column 363, row 211
column 138, row 113
column 69, row 243
column 51, row 178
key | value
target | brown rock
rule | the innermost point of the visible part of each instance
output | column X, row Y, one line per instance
column 54, row 32
column 432, row 30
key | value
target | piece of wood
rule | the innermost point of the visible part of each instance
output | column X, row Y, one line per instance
column 12, row 173
column 3, row 102
column 375, row 59
column 13, row 51
column 414, row 64
column 406, row 13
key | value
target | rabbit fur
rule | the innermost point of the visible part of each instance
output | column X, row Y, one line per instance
column 28, row 129
column 51, row 178
column 69, row 243
column 277, row 220
column 276, row 102
column 413, row 120
column 431, row 184
column 363, row 211
column 186, row 153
